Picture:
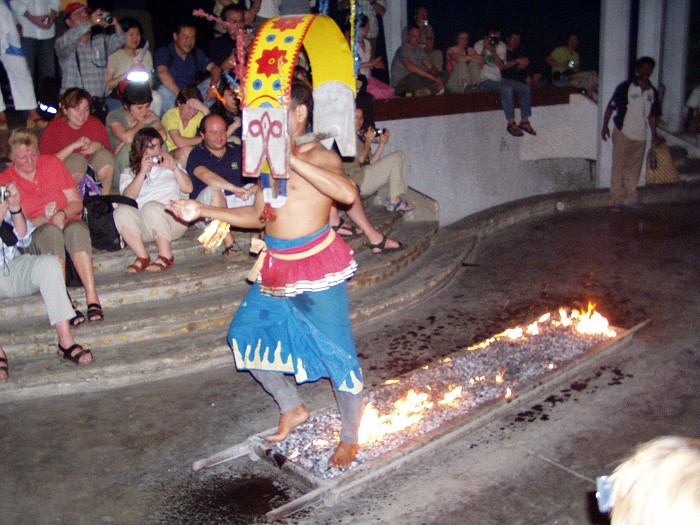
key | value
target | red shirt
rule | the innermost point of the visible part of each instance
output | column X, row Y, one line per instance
column 58, row 134
column 50, row 179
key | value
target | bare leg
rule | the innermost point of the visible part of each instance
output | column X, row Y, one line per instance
column 344, row 455
column 105, row 176
column 165, row 247
column 288, row 420
column 83, row 265
column 65, row 338
column 357, row 213
column 134, row 241
column 334, row 220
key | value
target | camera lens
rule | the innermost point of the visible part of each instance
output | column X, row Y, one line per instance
column 107, row 17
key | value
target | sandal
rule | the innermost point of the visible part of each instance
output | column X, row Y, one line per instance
column 4, row 367
column 400, row 205
column 353, row 230
column 69, row 353
column 95, row 313
column 514, row 130
column 138, row 265
column 527, row 128
column 231, row 251
column 382, row 247
column 78, row 319
column 160, row 264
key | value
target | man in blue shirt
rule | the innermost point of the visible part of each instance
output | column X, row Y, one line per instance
column 215, row 168
column 178, row 64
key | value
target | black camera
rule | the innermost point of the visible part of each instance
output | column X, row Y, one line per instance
column 493, row 40
column 106, row 17
column 378, row 134
column 7, row 234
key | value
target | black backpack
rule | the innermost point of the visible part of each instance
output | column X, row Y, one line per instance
column 98, row 215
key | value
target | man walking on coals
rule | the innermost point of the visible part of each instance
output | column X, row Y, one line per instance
column 296, row 318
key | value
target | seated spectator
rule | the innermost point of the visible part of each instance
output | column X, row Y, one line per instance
column 411, row 70
column 178, row 64
column 153, row 179
column 463, row 66
column 494, row 53
column 51, row 202
column 12, row 58
column 23, row 274
column 229, row 110
column 659, row 484
column 518, row 65
column 126, row 60
column 79, row 139
column 123, row 123
column 566, row 67
column 375, row 86
column 223, row 49
column 373, row 10
column 182, row 123
column 215, row 167
column 421, row 21
column 81, row 54
column 434, row 55
column 372, row 172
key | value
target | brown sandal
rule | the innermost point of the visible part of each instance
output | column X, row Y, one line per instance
column 139, row 265
column 160, row 264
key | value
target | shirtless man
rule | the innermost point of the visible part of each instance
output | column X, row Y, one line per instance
column 295, row 318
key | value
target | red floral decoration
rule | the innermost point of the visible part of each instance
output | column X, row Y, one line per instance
column 287, row 22
column 270, row 61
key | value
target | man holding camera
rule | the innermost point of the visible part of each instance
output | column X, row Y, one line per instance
column 494, row 52
column 82, row 55
column 24, row 274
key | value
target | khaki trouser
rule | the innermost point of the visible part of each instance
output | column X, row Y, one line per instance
column 150, row 221
column 389, row 171
column 628, row 156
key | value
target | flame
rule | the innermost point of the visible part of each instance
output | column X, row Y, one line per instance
column 509, row 393
column 451, row 396
column 407, row 412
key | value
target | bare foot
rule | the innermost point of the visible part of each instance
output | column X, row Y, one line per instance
column 343, row 455
column 288, row 420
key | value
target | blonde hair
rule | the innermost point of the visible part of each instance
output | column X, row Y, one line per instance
column 22, row 137
column 659, row 484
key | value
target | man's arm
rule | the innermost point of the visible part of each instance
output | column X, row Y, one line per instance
column 67, row 43
column 245, row 217
column 605, row 132
column 216, row 181
column 323, row 169
column 167, row 79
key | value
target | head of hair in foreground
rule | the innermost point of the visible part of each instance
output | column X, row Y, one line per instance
column 659, row 484
column 302, row 94
column 143, row 138
column 22, row 137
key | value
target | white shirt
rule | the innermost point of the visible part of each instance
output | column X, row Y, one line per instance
column 160, row 185
column 36, row 8
column 269, row 8
column 490, row 70
column 10, row 252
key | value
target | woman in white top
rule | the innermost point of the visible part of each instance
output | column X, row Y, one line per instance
column 126, row 60
column 153, row 179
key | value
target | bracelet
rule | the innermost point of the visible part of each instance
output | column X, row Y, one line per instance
column 16, row 212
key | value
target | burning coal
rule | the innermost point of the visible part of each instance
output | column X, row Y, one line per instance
column 402, row 410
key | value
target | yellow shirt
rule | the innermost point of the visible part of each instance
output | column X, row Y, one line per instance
column 171, row 120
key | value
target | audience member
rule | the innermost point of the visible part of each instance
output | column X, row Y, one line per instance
column 636, row 105
column 518, row 66
column 434, row 55
column 123, row 123
column 411, row 70
column 373, row 10
column 215, row 167
column 153, row 179
column 83, row 55
column 295, row 7
column 692, row 111
column 659, row 484
column 130, row 58
column 420, row 20
column 182, row 123
column 37, row 19
column 494, row 53
column 375, row 86
column 223, row 49
column 79, row 139
column 23, row 274
column 51, row 202
column 463, row 66
column 178, row 64
column 372, row 172
column 12, row 57
column 566, row 67
column 229, row 110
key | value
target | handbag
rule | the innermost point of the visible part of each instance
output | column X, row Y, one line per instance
column 660, row 166
column 98, row 214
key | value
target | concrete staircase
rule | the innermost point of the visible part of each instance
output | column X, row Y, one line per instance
column 166, row 324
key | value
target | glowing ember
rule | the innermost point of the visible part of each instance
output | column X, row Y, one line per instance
column 509, row 392
column 407, row 412
column 451, row 396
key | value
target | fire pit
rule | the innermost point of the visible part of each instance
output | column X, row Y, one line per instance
column 406, row 409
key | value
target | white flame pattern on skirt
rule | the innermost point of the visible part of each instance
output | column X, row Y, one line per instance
column 409, row 410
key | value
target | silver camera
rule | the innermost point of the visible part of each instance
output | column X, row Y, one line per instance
column 157, row 159
column 4, row 193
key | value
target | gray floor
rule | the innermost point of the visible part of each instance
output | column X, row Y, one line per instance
column 124, row 456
